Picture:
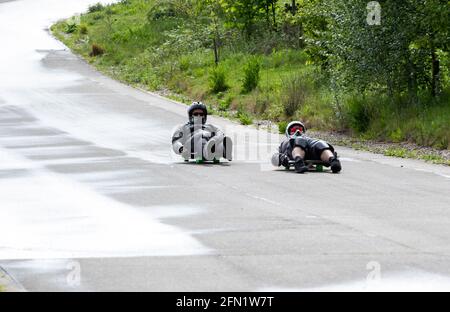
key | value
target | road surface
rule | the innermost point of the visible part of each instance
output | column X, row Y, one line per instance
column 91, row 198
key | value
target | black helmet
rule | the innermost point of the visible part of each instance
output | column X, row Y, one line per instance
column 194, row 106
column 295, row 128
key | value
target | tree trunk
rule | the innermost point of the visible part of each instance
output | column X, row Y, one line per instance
column 274, row 14
column 435, row 72
column 216, row 42
column 216, row 51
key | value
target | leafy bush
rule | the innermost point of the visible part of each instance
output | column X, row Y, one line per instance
column 71, row 28
column 397, row 135
column 217, row 80
column 359, row 114
column 244, row 118
column 295, row 91
column 282, row 125
column 225, row 104
column 163, row 9
column 96, row 50
column 96, row 7
column 262, row 104
column 251, row 75
column 83, row 29
column 286, row 57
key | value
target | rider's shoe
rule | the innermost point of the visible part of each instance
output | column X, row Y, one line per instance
column 335, row 165
column 300, row 166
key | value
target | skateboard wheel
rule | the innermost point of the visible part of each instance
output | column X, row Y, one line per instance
column 216, row 161
column 199, row 161
column 319, row 168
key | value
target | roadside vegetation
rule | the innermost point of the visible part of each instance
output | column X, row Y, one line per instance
column 336, row 65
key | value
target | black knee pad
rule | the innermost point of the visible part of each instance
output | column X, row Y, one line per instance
column 301, row 142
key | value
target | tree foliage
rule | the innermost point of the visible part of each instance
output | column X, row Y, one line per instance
column 402, row 54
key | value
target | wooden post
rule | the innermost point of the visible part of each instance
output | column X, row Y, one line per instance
column 216, row 51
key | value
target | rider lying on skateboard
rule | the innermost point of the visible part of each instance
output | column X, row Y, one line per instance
column 200, row 140
column 298, row 147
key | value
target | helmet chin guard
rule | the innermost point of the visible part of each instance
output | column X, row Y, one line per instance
column 197, row 106
column 295, row 128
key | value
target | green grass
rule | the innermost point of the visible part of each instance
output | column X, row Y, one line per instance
column 404, row 153
column 436, row 159
column 400, row 152
column 166, row 50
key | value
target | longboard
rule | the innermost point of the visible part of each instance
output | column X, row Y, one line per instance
column 315, row 165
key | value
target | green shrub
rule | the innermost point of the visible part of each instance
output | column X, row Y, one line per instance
column 217, row 80
column 286, row 57
column 96, row 7
column 295, row 91
column 262, row 104
column 244, row 118
column 359, row 114
column 282, row 125
column 397, row 135
column 71, row 28
column 96, row 16
column 163, row 9
column 83, row 30
column 158, row 12
column 224, row 105
column 251, row 75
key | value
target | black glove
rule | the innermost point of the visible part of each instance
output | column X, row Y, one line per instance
column 284, row 160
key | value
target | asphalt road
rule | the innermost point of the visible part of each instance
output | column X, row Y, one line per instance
column 91, row 197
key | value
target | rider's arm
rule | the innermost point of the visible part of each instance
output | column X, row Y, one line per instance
column 218, row 135
column 178, row 139
column 284, row 158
